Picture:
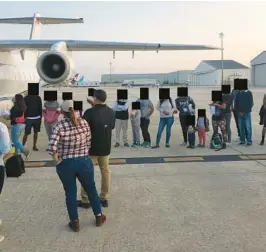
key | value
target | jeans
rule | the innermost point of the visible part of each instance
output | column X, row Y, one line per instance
column 245, row 128
column 16, row 130
column 82, row 168
column 184, row 127
column 144, row 125
column 168, row 122
column 191, row 139
column 49, row 129
column 228, row 126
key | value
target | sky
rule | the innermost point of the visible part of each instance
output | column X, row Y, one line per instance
column 243, row 25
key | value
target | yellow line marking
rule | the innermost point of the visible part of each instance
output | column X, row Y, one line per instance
column 183, row 159
column 33, row 164
column 117, row 161
column 257, row 156
column 244, row 157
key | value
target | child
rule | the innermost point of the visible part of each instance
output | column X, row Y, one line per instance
column 190, row 122
column 202, row 128
column 263, row 119
column 51, row 112
column 135, row 123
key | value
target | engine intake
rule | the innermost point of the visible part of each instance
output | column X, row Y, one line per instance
column 53, row 67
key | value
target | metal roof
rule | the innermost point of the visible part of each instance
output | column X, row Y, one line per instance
column 227, row 64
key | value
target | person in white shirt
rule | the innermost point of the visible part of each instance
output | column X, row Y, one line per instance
column 5, row 146
column 167, row 110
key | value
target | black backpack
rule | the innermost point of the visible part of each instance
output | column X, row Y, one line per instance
column 15, row 166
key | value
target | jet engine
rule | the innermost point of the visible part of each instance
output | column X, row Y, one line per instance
column 54, row 66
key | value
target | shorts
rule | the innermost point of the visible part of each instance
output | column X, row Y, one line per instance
column 33, row 123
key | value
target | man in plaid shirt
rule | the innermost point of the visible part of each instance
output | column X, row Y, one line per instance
column 69, row 146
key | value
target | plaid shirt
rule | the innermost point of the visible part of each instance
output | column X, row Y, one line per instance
column 70, row 141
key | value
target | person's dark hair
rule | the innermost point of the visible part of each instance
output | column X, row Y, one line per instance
column 100, row 95
column 170, row 100
column 20, row 102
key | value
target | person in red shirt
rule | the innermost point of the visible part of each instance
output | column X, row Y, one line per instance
column 69, row 146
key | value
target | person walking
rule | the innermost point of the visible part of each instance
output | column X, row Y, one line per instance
column 18, row 124
column 69, row 146
column 33, row 117
column 101, row 120
column 5, row 146
column 51, row 112
column 262, row 115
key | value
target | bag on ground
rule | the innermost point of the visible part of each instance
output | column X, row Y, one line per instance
column 217, row 142
column 15, row 166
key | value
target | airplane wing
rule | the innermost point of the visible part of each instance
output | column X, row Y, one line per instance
column 84, row 45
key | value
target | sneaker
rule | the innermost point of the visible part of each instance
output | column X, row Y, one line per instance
column 242, row 143
column 183, row 144
column 249, row 144
column 117, row 145
column 83, row 205
column 74, row 225
column 147, row 145
column 104, row 203
column 100, row 220
column 27, row 154
column 155, row 147
column 167, row 145
column 199, row 145
column 35, row 148
column 126, row 145
column 203, row 146
column 1, row 238
column 262, row 142
column 134, row 145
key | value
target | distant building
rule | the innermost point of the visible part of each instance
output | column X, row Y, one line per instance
column 258, row 70
column 209, row 73
column 177, row 77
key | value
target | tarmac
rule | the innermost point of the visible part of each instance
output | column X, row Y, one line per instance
column 168, row 199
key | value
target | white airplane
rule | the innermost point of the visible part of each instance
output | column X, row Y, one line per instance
column 55, row 65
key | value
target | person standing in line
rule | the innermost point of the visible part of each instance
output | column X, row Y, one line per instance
column 186, row 106
column 18, row 124
column 263, row 119
column 146, row 110
column 51, row 112
column 33, row 117
column 234, row 95
column 244, row 104
column 69, row 146
column 202, row 127
column 218, row 120
column 5, row 147
column 135, row 124
column 227, row 99
column 121, row 107
column 167, row 110
column 101, row 119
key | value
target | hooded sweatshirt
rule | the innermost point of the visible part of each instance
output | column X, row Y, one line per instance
column 51, row 112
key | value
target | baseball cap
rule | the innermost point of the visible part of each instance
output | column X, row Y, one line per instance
column 66, row 105
column 100, row 95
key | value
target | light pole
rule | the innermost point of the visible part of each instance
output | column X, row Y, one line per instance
column 110, row 72
column 221, row 35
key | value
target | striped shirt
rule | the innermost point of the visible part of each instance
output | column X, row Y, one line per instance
column 70, row 141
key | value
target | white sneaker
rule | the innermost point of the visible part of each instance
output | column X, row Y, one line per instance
column 1, row 238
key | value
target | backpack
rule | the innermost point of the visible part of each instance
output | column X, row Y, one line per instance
column 186, row 106
column 15, row 166
column 217, row 142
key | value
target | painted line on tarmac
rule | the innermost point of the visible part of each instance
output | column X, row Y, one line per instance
column 169, row 159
